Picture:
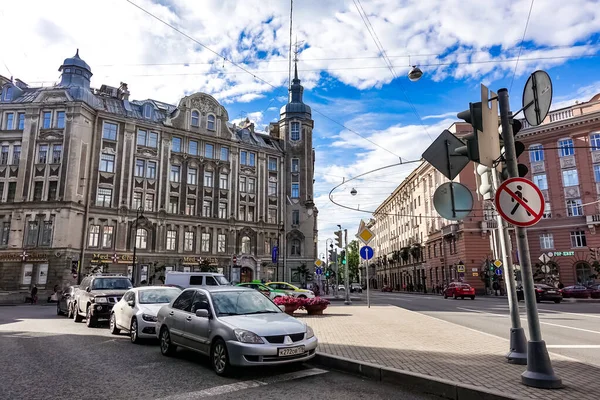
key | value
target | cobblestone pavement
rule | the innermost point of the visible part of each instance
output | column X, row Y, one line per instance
column 393, row 337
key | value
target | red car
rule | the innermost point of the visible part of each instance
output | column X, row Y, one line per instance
column 595, row 291
column 386, row 288
column 457, row 289
column 576, row 291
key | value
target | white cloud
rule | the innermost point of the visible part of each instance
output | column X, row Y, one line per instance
column 439, row 116
column 582, row 94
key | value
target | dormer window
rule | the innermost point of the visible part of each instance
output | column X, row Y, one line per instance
column 195, row 118
column 295, row 131
column 210, row 122
column 8, row 93
column 148, row 111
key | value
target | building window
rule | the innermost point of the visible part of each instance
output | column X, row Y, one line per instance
column 12, row 191
column 10, row 121
column 140, row 168
column 224, row 153
column 570, row 177
column 147, row 111
column 142, row 137
column 295, row 247
column 295, row 190
column 245, row 245
column 8, row 94
column 107, row 162
column 597, row 172
column 295, row 131
column 52, row 190
column 46, row 239
column 56, row 153
column 208, row 150
column 252, row 159
column 547, row 210
column 104, row 198
column 32, row 233
column 251, row 185
column 272, row 164
column 210, row 122
column 174, row 205
column 595, row 141
column 16, row 155
column 94, row 236
column 224, row 181
column 47, row 120
column 208, row 178
column 152, row 140
column 190, row 207
column 295, row 165
column 137, row 200
column 5, row 233
column 272, row 216
column 565, row 148
column 206, row 208
column 60, row 119
column 242, row 214
column 38, row 191
column 176, row 145
column 250, row 215
column 243, row 184
column 4, row 155
column 206, row 242
column 149, row 202
column 223, row 210
column 42, row 153
column 175, row 173
column 171, row 240
column 546, row 241
column 578, row 239
column 221, row 243
column 272, row 187
column 109, row 131
column 195, row 118
column 107, row 236
column 188, row 241
column 151, row 170
column 295, row 217
column 192, row 176
column 243, row 157
column 141, row 238
column 541, row 181
column 193, row 148
column 574, row 208
column 21, row 122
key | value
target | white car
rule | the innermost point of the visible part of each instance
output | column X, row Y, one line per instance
column 136, row 311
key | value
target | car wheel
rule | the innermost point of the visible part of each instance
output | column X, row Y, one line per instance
column 113, row 325
column 70, row 311
column 133, row 331
column 76, row 316
column 462, row 297
column 472, row 297
column 167, row 348
column 220, row 358
column 455, row 297
column 557, row 301
column 90, row 320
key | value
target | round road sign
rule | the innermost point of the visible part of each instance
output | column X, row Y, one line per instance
column 520, row 202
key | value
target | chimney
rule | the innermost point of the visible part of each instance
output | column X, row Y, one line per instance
column 123, row 91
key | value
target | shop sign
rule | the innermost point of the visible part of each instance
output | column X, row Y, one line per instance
column 199, row 260
column 23, row 257
column 107, row 258
column 560, row 253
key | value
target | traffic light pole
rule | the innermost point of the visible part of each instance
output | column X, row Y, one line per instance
column 518, row 341
column 539, row 371
column 347, row 270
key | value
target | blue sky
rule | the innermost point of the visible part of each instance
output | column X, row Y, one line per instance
column 457, row 43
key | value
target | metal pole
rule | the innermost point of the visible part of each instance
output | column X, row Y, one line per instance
column 337, row 275
column 539, row 371
column 518, row 341
column 133, row 266
column 347, row 270
column 367, row 276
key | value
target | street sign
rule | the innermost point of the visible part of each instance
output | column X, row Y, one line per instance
column 498, row 271
column 475, row 273
column 520, row 202
column 365, row 235
column 319, row 271
column 460, row 267
column 453, row 201
column 318, row 263
column 537, row 97
column 366, row 252
column 497, row 263
column 234, row 259
column 544, row 258
column 441, row 155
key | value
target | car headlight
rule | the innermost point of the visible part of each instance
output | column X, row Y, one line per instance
column 100, row 300
column 245, row 336
column 149, row 318
column 309, row 332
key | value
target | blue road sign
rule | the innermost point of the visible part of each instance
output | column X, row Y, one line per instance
column 498, row 271
column 366, row 252
column 319, row 271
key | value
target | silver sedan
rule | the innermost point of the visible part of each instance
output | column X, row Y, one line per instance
column 234, row 326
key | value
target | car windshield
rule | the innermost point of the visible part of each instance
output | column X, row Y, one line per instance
column 242, row 303
column 156, row 296
column 221, row 279
column 111, row 284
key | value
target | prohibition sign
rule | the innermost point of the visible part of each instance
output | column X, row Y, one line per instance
column 520, row 202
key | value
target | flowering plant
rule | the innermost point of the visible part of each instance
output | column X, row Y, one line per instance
column 315, row 302
column 289, row 301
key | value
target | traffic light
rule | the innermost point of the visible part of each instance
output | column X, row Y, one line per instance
column 343, row 257
column 332, row 256
column 484, row 181
column 519, row 149
column 327, row 273
column 474, row 117
column 74, row 266
column 338, row 239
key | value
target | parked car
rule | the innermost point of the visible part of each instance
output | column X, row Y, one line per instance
column 195, row 279
column 458, row 289
column 543, row 292
column 595, row 294
column 355, row 287
column 291, row 289
column 234, row 326
column 386, row 288
column 576, row 291
column 136, row 311
column 96, row 296
column 64, row 305
column 264, row 289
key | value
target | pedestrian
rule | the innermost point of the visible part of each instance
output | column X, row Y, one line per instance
column 34, row 291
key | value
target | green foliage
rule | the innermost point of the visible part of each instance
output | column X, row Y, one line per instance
column 206, row 267
column 302, row 272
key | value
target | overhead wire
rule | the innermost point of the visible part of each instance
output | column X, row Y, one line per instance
column 521, row 45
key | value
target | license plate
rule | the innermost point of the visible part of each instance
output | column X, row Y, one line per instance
column 551, row 291
column 290, row 351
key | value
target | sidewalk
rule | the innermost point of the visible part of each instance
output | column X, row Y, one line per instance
column 436, row 354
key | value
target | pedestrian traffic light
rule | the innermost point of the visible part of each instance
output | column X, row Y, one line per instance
column 519, row 149
column 343, row 257
column 338, row 239
column 484, row 181
column 327, row 273
column 471, row 116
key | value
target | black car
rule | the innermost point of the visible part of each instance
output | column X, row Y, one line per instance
column 96, row 297
column 543, row 292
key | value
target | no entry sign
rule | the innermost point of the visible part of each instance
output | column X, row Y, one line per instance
column 520, row 202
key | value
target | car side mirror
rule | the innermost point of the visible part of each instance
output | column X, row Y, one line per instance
column 202, row 313
column 88, row 289
column 282, row 307
column 131, row 303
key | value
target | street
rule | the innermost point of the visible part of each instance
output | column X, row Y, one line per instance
column 569, row 328
column 50, row 357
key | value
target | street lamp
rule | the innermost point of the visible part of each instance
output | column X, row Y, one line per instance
column 279, row 252
column 139, row 214
column 415, row 73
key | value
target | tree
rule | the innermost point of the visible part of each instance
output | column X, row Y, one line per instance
column 353, row 260
column 206, row 267
column 302, row 272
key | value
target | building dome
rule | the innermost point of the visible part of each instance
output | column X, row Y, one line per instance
column 75, row 61
column 75, row 72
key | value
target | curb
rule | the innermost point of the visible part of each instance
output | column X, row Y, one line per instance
column 414, row 381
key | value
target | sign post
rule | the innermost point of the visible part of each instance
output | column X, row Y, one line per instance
column 366, row 253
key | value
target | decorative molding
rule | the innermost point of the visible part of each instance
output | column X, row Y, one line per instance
column 51, row 135
column 572, row 192
column 567, row 162
column 538, row 167
column 108, row 150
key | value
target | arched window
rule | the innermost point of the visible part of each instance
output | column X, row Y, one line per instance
column 8, row 94
column 245, row 245
column 210, row 122
column 141, row 238
column 148, row 111
column 195, row 118
column 583, row 271
column 295, row 247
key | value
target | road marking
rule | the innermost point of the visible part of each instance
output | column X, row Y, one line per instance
column 572, row 313
column 482, row 312
column 573, row 346
column 244, row 385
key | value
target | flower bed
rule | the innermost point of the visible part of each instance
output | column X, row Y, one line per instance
column 291, row 303
column 315, row 306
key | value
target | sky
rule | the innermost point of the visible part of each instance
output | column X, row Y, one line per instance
column 367, row 113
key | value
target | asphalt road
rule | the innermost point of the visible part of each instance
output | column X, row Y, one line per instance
column 44, row 356
column 569, row 328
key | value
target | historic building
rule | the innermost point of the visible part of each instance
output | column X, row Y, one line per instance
column 88, row 177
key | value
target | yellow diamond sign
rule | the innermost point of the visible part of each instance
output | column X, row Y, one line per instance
column 318, row 263
column 365, row 235
column 498, row 263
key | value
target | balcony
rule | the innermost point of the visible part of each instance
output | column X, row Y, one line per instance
column 449, row 229
column 561, row 115
column 593, row 219
column 488, row 225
